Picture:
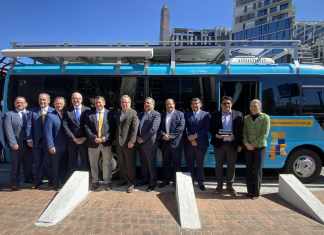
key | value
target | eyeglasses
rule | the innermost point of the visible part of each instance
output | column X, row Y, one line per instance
column 225, row 103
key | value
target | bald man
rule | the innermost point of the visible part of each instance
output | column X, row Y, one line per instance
column 73, row 124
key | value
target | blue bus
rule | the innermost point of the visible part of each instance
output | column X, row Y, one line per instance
column 292, row 93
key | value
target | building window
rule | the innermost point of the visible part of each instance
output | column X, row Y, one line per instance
column 273, row 9
column 261, row 21
column 284, row 6
column 263, row 12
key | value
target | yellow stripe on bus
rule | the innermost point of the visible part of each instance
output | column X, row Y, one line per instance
column 292, row 122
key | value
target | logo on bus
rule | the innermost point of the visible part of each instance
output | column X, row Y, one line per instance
column 278, row 145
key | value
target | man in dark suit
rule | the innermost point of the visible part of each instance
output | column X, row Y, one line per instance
column 15, row 128
column 196, row 144
column 73, row 124
column 98, row 127
column 55, row 139
column 36, row 141
column 146, row 138
column 171, row 131
column 127, row 127
column 226, row 130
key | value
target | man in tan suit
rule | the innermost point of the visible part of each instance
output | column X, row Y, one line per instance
column 127, row 126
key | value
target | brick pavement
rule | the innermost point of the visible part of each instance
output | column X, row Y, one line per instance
column 117, row 212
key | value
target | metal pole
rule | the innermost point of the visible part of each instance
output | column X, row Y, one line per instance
column 6, row 86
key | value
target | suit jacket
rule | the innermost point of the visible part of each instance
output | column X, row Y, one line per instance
column 35, row 130
column 237, row 127
column 127, row 127
column 148, row 127
column 15, row 128
column 74, row 128
column 177, row 126
column 198, row 125
column 54, row 132
column 91, row 128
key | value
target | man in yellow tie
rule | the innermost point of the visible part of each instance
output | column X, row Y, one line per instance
column 98, row 127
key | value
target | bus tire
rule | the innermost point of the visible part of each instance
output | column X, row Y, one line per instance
column 305, row 164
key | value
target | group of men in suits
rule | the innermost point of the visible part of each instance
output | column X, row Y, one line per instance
column 41, row 137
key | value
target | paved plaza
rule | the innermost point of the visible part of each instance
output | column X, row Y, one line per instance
column 117, row 212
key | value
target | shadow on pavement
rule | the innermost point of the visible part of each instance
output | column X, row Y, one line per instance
column 169, row 201
column 274, row 197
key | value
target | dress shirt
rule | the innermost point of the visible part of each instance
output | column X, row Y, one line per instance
column 167, row 121
column 227, row 121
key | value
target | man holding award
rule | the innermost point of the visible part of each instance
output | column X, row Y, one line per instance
column 226, row 129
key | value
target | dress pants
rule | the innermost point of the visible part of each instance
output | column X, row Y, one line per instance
column 27, row 164
column 17, row 157
column 41, row 165
column 254, row 164
column 147, row 157
column 171, row 162
column 77, row 157
column 55, row 162
column 126, row 162
column 94, row 155
column 226, row 152
column 195, row 154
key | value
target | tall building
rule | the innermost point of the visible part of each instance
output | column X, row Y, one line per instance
column 263, row 20
column 165, row 24
column 309, row 32
column 199, row 37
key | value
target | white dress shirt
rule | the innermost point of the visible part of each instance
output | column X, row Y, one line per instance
column 168, row 121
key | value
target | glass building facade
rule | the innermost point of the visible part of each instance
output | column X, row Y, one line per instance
column 263, row 20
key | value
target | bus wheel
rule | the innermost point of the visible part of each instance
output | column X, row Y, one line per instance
column 305, row 164
column 114, row 164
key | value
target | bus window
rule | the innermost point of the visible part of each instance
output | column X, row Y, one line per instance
column 241, row 92
column 281, row 97
column 112, row 88
column 313, row 102
column 89, row 86
column 182, row 90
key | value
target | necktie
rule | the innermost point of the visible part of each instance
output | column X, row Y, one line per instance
column 100, row 122
column 43, row 115
column 24, row 118
column 77, row 114
column 142, row 121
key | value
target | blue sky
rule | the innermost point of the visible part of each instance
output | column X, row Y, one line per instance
column 117, row 21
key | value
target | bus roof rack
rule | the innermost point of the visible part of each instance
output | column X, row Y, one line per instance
column 172, row 52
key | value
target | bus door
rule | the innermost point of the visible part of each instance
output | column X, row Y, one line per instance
column 242, row 92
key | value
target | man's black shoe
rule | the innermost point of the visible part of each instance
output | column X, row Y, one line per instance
column 202, row 187
column 130, row 189
column 94, row 187
column 150, row 188
column 219, row 190
column 163, row 184
column 231, row 191
column 107, row 187
column 14, row 188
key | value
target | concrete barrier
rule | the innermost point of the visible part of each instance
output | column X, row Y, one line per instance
column 296, row 194
column 187, row 205
column 71, row 195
